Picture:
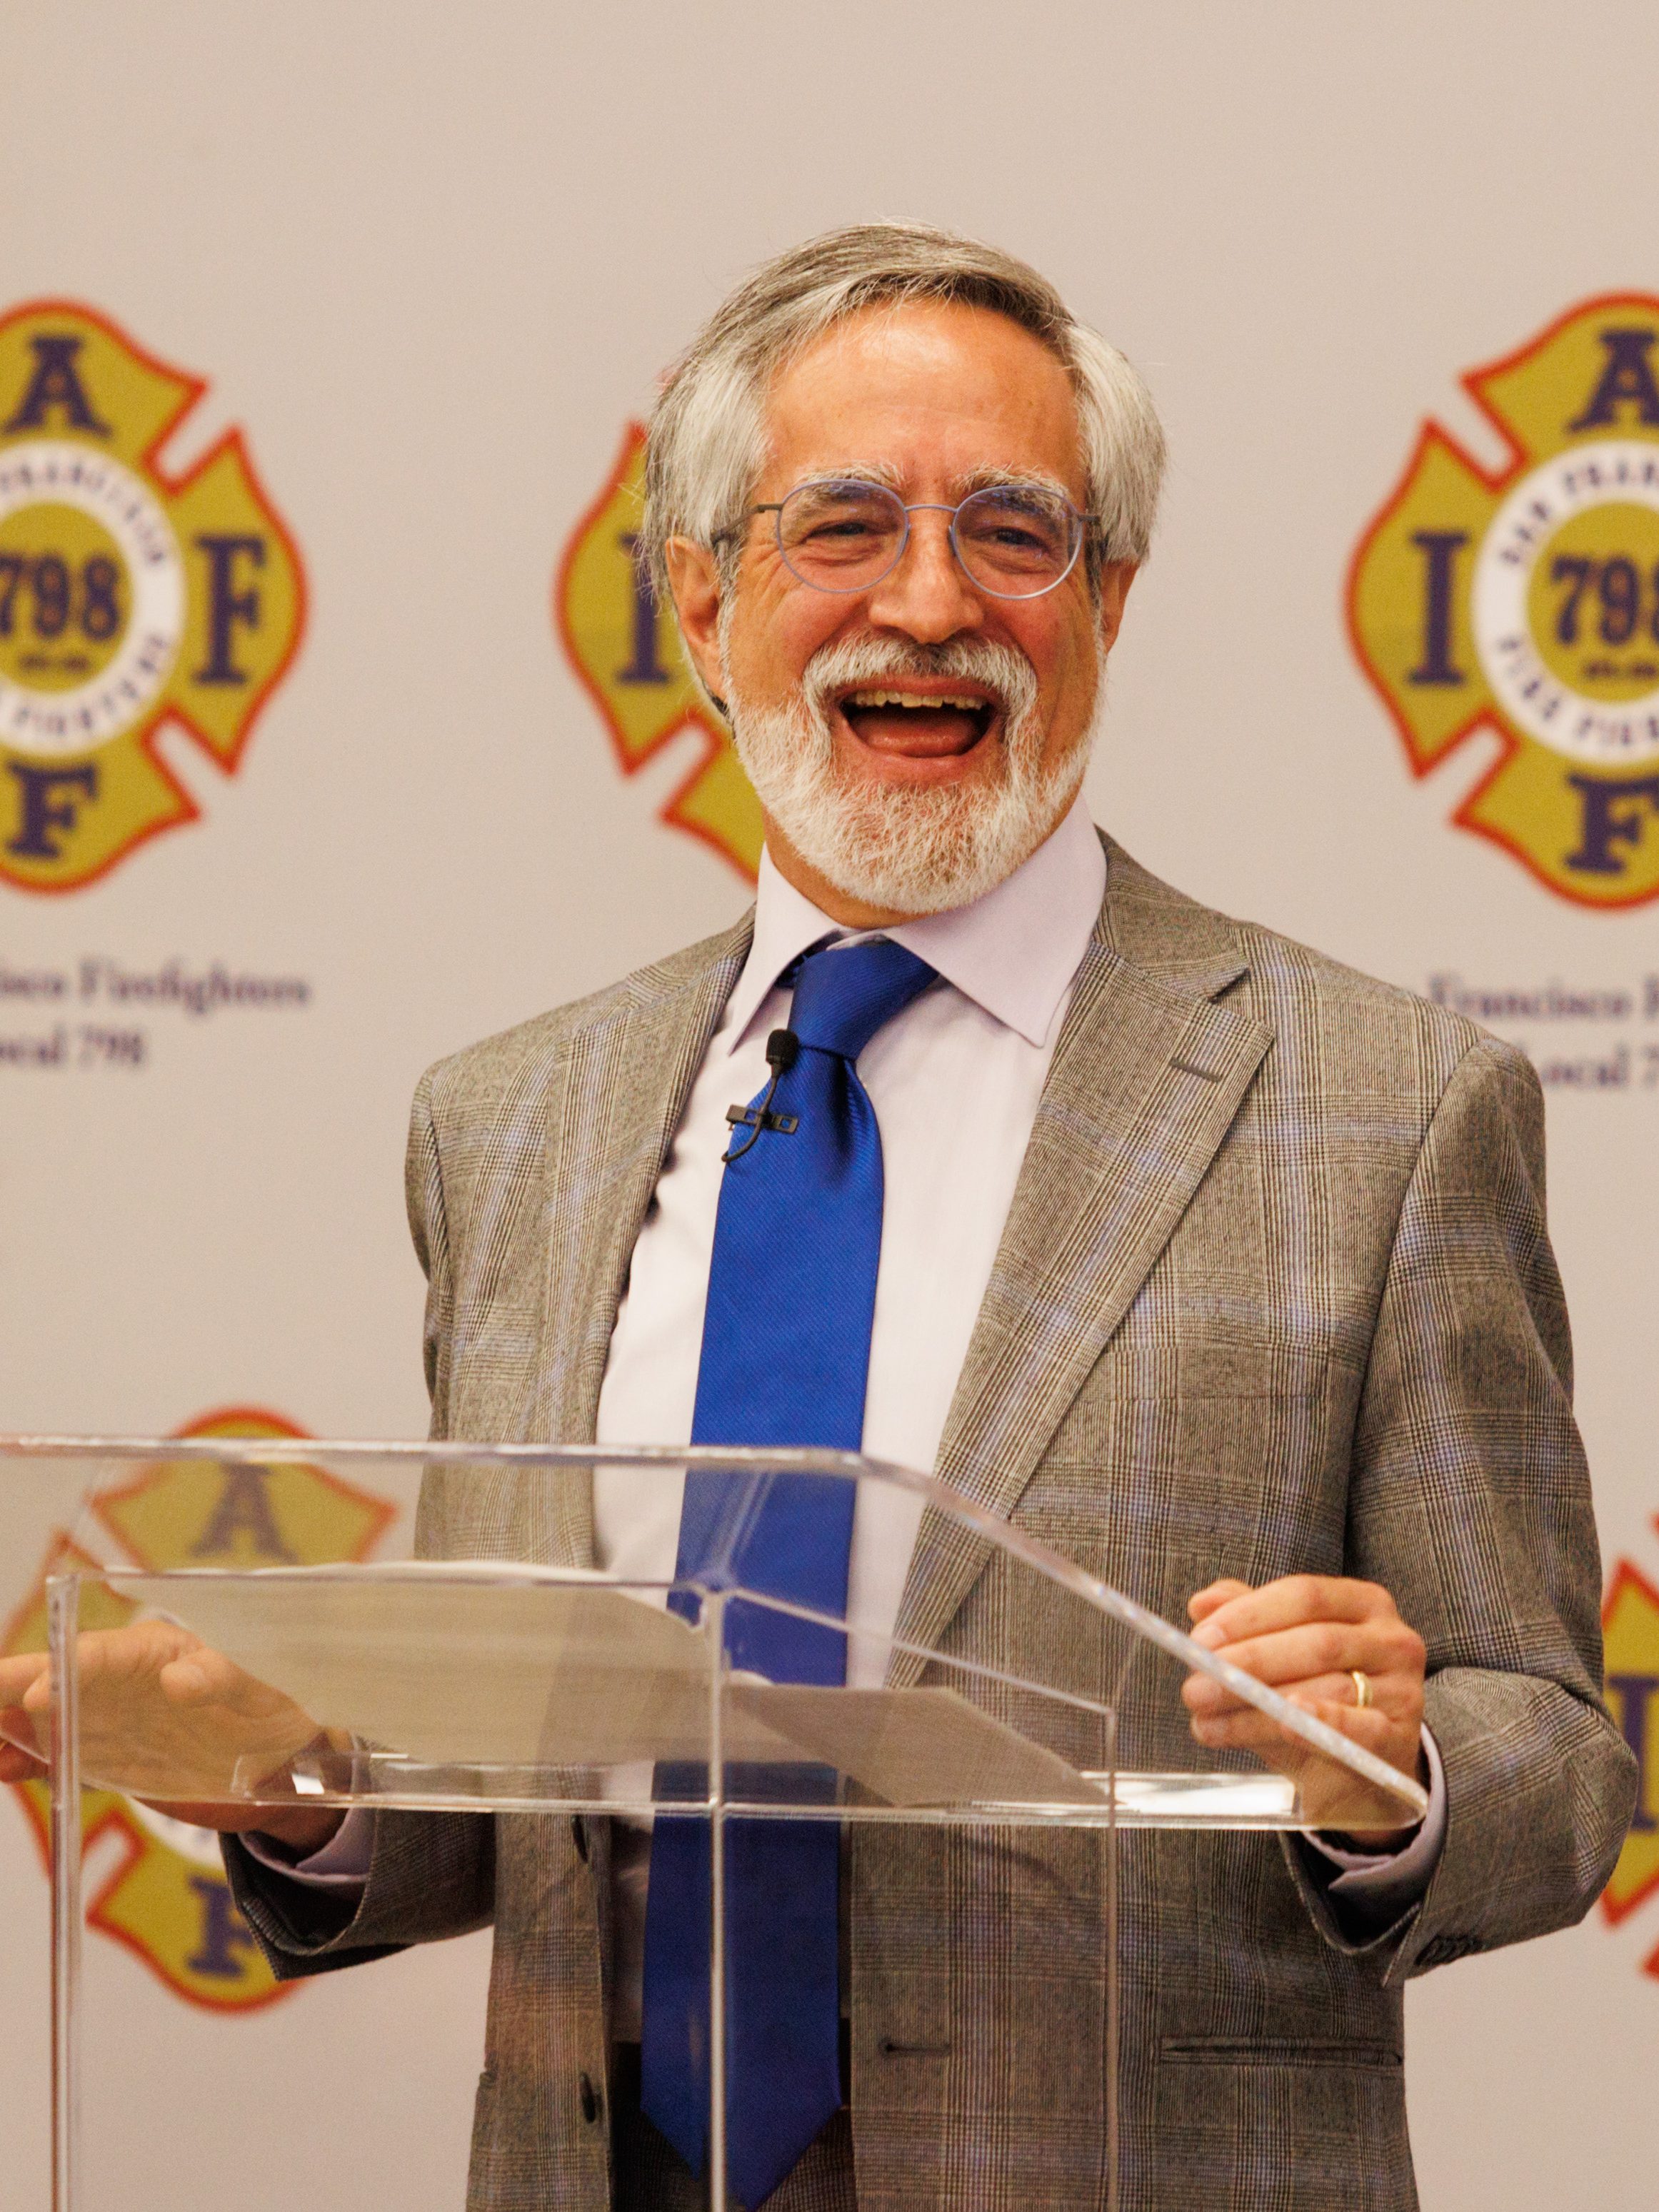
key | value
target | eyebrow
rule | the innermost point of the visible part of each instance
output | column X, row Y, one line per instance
column 885, row 474
column 877, row 472
column 986, row 479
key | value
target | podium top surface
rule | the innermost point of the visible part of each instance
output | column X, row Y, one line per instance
column 441, row 1623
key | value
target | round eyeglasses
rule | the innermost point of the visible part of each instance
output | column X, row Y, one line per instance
column 842, row 534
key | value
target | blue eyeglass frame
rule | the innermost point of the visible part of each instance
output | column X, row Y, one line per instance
column 775, row 506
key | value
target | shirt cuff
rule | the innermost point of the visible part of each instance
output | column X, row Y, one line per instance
column 1399, row 1877
column 340, row 1863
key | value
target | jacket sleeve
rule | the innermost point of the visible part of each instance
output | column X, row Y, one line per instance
column 430, row 1874
column 1469, row 1501
column 429, row 1225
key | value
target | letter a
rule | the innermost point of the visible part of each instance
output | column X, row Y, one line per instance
column 244, row 1509
column 56, row 383
column 1628, row 375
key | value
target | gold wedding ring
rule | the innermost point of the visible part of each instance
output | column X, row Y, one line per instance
column 1362, row 1687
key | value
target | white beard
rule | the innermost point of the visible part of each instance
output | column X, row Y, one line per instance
column 908, row 851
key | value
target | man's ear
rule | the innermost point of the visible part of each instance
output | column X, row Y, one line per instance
column 1116, row 579
column 694, row 577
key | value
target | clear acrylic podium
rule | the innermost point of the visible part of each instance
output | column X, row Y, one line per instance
column 211, row 1646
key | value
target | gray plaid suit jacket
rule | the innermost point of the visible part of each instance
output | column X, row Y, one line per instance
column 1274, row 1293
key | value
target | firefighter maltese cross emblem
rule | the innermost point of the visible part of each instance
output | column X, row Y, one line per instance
column 157, row 1885
column 625, row 649
column 1528, row 602
column 128, row 597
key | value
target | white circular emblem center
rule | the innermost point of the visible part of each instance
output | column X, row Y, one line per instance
column 47, row 473
column 1525, row 653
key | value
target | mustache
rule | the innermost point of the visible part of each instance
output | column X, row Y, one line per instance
column 868, row 662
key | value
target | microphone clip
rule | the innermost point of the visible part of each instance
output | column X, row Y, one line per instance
column 782, row 1051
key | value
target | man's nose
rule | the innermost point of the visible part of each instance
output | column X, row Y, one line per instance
column 929, row 595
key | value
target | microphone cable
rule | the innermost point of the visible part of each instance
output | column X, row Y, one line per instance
column 782, row 1051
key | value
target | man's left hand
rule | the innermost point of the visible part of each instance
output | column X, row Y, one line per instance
column 1306, row 1635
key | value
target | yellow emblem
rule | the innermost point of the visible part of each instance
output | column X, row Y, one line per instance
column 625, row 648
column 127, row 596
column 1528, row 602
column 166, row 1898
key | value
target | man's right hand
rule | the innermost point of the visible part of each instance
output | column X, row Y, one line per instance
column 166, row 1719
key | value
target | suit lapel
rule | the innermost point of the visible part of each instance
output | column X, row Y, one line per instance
column 1147, row 1077
column 612, row 1121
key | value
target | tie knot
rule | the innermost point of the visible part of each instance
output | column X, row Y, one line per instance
column 842, row 997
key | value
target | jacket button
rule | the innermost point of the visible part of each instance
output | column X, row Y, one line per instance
column 590, row 2099
column 579, row 1836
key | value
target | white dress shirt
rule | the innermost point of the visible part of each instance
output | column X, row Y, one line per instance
column 955, row 1081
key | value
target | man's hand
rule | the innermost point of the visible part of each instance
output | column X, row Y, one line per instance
column 1306, row 1637
column 162, row 1714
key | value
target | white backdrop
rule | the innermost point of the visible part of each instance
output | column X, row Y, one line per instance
column 430, row 260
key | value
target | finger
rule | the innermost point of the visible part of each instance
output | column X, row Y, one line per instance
column 1380, row 1649
column 1289, row 1602
column 1202, row 1603
column 233, row 1816
column 17, row 1673
column 1398, row 1716
column 1398, row 1695
column 189, row 1681
column 1278, row 1748
column 1293, row 1601
column 141, row 1648
column 17, row 1766
column 1247, row 1730
column 203, row 1677
column 1388, row 1693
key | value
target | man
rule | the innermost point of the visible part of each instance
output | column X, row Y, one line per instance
column 1219, row 1265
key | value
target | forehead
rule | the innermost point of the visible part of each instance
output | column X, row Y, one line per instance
column 934, row 392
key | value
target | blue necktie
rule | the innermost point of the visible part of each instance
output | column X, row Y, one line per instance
column 785, row 1356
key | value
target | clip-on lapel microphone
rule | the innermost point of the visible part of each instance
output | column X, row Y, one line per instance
column 782, row 1051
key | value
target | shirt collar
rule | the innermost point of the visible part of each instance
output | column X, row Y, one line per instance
column 1013, row 952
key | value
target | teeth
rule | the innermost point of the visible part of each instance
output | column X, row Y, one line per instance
column 911, row 699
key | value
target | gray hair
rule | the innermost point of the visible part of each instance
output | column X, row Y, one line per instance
column 706, row 441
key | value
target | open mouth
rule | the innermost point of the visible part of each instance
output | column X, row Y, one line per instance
column 917, row 720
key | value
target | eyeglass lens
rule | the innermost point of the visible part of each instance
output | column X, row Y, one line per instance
column 1014, row 540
